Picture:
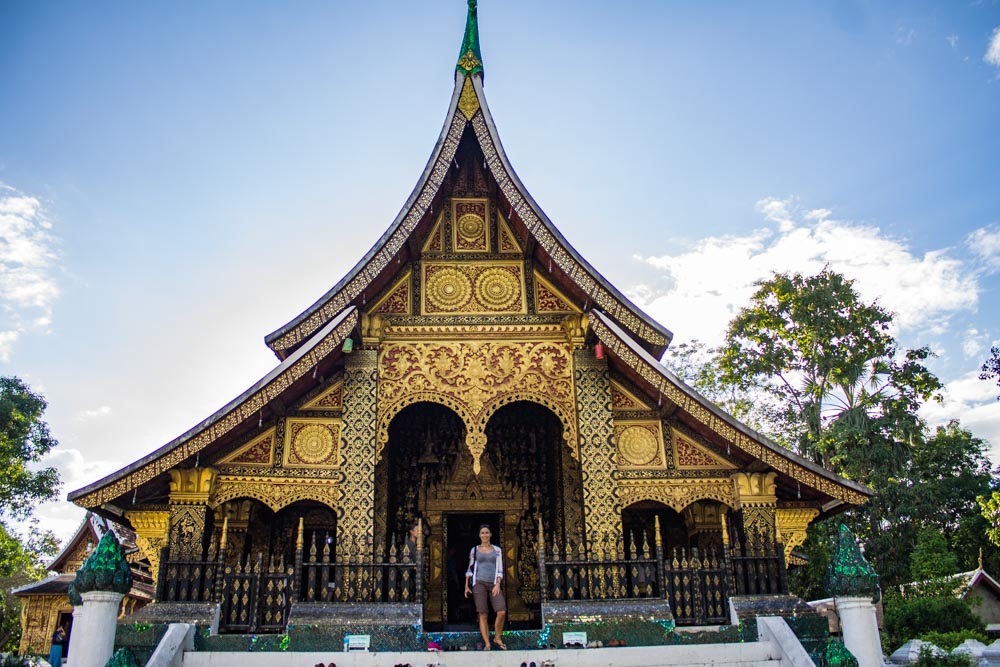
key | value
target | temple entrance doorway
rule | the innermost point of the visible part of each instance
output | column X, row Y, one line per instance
column 461, row 534
column 527, row 472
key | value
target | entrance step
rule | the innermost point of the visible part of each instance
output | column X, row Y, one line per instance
column 747, row 654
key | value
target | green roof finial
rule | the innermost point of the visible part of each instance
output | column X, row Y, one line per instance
column 849, row 574
column 106, row 569
column 470, row 60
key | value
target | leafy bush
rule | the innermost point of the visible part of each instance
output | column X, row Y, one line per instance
column 949, row 640
column 928, row 659
column 907, row 619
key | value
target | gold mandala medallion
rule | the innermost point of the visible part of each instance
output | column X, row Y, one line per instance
column 313, row 444
column 638, row 446
column 448, row 289
column 497, row 289
column 471, row 227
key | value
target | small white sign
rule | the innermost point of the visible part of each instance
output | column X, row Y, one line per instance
column 575, row 639
column 357, row 642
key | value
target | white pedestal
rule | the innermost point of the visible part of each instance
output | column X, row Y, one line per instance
column 860, row 629
column 94, row 629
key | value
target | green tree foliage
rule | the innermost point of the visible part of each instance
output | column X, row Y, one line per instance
column 20, row 563
column 840, row 391
column 909, row 618
column 699, row 367
column 931, row 559
column 850, row 397
column 990, row 508
column 936, row 490
column 24, row 440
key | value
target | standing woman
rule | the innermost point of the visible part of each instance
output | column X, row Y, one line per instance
column 58, row 645
column 482, row 581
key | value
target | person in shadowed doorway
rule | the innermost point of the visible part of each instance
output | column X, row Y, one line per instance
column 482, row 582
column 58, row 645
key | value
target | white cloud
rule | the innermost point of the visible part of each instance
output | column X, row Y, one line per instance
column 952, row 40
column 7, row 340
column 974, row 403
column 75, row 471
column 97, row 413
column 702, row 287
column 992, row 55
column 984, row 243
column 974, row 343
column 28, row 255
column 778, row 210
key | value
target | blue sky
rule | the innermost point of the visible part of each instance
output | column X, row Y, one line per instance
column 180, row 179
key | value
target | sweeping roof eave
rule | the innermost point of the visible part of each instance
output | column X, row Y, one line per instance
column 245, row 407
column 355, row 286
column 842, row 492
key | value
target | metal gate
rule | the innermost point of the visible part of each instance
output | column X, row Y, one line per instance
column 256, row 598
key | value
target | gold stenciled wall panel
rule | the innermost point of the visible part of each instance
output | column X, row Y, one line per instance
column 639, row 444
column 396, row 299
column 475, row 288
column 312, row 442
column 331, row 399
column 470, row 228
column 548, row 299
column 623, row 400
column 688, row 455
column 474, row 379
column 257, row 452
column 506, row 239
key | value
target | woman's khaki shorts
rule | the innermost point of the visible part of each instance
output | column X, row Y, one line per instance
column 481, row 593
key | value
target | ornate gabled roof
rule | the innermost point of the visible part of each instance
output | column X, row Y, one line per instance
column 468, row 111
column 245, row 410
column 792, row 469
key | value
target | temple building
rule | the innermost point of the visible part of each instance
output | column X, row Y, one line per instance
column 45, row 604
column 471, row 368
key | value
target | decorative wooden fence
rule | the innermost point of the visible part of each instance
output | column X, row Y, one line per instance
column 257, row 597
column 359, row 577
column 696, row 583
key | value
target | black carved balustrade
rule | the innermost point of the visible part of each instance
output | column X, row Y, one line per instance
column 187, row 580
column 696, row 582
column 255, row 594
column 357, row 576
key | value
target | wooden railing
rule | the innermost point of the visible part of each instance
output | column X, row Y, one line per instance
column 359, row 577
column 257, row 597
column 696, row 583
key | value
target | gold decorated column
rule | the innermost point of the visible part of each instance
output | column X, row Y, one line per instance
column 792, row 524
column 356, row 490
column 756, row 504
column 152, row 529
column 189, row 492
column 601, row 506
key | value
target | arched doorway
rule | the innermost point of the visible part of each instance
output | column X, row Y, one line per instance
column 639, row 527
column 426, row 471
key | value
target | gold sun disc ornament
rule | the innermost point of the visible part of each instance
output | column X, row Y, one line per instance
column 471, row 227
column 448, row 289
column 638, row 446
column 313, row 444
column 497, row 289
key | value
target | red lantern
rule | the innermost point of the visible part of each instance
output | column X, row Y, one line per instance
column 599, row 351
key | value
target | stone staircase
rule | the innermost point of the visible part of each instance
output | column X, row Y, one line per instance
column 749, row 654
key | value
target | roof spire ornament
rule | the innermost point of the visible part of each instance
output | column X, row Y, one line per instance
column 470, row 60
